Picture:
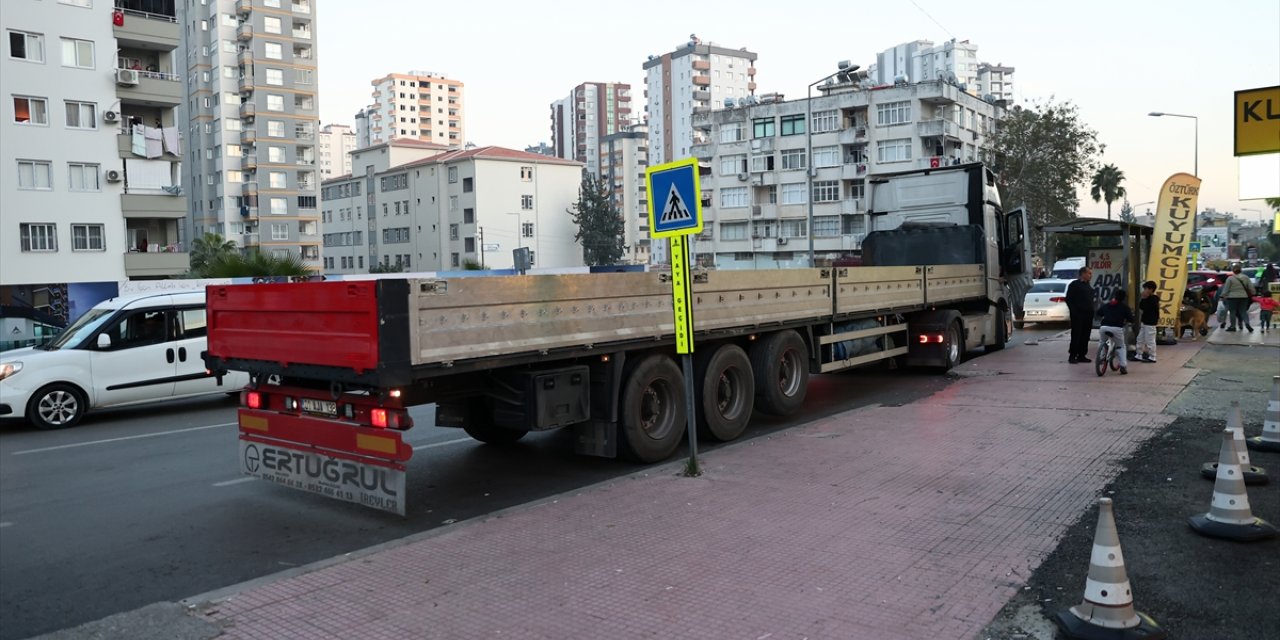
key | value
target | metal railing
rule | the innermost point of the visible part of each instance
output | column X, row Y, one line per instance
column 146, row 14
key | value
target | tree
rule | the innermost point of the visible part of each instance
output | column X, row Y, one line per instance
column 1042, row 154
column 1126, row 213
column 255, row 264
column 207, row 249
column 1274, row 203
column 385, row 268
column 600, row 227
column 1106, row 186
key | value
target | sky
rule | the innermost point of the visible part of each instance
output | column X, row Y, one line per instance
column 1116, row 60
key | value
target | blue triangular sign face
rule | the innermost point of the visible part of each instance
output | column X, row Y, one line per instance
column 675, row 210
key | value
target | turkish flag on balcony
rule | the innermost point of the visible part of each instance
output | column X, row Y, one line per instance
column 117, row 18
column 934, row 162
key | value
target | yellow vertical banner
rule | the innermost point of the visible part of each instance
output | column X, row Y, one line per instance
column 682, row 293
column 1171, row 244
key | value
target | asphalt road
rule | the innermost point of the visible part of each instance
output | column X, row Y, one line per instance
column 145, row 505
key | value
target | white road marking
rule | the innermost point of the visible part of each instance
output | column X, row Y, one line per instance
column 5, row 524
column 144, row 435
column 441, row 444
column 227, row 483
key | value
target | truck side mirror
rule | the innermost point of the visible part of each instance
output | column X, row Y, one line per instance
column 104, row 341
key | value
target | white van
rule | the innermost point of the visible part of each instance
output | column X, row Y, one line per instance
column 124, row 351
column 1068, row 268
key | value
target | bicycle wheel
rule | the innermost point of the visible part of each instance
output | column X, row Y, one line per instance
column 1114, row 361
column 1104, row 354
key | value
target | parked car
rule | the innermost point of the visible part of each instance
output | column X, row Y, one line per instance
column 1046, row 301
column 1205, row 281
column 124, row 351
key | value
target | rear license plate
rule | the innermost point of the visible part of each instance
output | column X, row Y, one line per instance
column 322, row 407
column 1036, row 313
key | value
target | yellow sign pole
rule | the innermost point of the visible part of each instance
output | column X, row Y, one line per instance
column 681, row 294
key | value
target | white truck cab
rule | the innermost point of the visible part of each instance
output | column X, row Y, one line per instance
column 125, row 350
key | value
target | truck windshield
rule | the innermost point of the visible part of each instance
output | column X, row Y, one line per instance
column 82, row 328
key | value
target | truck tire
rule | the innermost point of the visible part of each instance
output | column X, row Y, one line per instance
column 954, row 347
column 479, row 425
column 781, row 371
column 725, row 392
column 1004, row 329
column 57, row 406
column 653, row 417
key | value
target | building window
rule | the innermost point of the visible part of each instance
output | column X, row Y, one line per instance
column 35, row 174
column 275, row 77
column 87, row 237
column 898, row 150
column 826, row 157
column 273, row 50
column 82, row 115
column 733, row 231
column 826, row 121
column 793, row 125
column 762, row 128
column 275, row 154
column 453, row 259
column 731, row 132
column 231, row 124
column 453, row 203
column 468, row 216
column 826, row 226
column 891, row 113
column 28, row 110
column 793, row 229
column 453, row 231
column 271, row 24
column 793, row 159
column 279, row 206
column 275, row 128
column 526, row 173
column 469, row 245
column 39, row 236
column 303, row 76
column 793, row 193
column 279, row 231
column 277, row 179
column 762, row 163
column 730, row 165
column 275, row 103
column 26, row 46
column 826, row 190
column 77, row 53
column 734, row 197
column 526, row 203
column 468, row 185
column 526, row 229
column 453, row 174
column 83, row 176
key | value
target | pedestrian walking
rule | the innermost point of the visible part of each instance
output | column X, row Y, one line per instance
column 1080, row 305
column 1238, row 293
column 1148, row 318
column 1266, row 306
column 1268, row 276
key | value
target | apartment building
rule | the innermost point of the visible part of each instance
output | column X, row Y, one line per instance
column 590, row 112
column 412, row 205
column 995, row 80
column 694, row 77
column 336, row 142
column 952, row 61
column 624, row 156
column 252, row 102
column 758, row 183
column 91, row 144
column 421, row 105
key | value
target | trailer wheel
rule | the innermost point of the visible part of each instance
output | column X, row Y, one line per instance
column 954, row 347
column 653, row 409
column 781, row 372
column 1004, row 329
column 726, row 392
column 479, row 425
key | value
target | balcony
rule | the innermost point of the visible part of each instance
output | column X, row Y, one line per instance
column 245, row 58
column 302, row 6
column 248, row 110
column 167, row 263
column 248, row 136
column 851, row 206
column 701, row 95
column 153, row 205
column 124, row 144
column 249, row 189
column 938, row 129
column 153, row 88
column 853, row 135
column 853, row 171
column 244, row 7
column 702, row 81
column 146, row 30
column 249, row 162
column 701, row 65
column 244, row 32
column 302, row 34
column 751, row 72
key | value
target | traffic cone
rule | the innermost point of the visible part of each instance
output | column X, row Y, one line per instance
column 1270, row 438
column 1107, row 611
column 1229, row 515
column 1252, row 474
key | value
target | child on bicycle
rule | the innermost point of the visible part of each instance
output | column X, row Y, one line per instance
column 1114, row 316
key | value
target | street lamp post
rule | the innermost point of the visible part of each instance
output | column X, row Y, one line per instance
column 844, row 69
column 1196, row 167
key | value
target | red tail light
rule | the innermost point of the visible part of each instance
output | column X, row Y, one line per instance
column 924, row 339
column 1057, row 299
column 379, row 418
column 253, row 399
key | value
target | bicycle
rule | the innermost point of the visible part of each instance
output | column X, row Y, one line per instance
column 1108, row 355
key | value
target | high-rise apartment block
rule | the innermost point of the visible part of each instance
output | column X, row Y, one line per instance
column 592, row 111
column 419, row 105
column 995, row 80
column 694, row 78
column 951, row 61
column 337, row 141
column 91, row 143
column 624, row 156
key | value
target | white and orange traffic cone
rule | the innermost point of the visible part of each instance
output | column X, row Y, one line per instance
column 1270, row 438
column 1229, row 515
column 1107, row 610
column 1252, row 474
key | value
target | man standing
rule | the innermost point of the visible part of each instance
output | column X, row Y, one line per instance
column 1080, row 304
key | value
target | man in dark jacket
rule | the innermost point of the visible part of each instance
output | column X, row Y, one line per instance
column 1080, row 304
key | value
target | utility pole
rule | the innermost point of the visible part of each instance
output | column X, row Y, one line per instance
column 480, row 235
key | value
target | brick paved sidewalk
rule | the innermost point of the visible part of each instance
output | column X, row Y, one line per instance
column 917, row 521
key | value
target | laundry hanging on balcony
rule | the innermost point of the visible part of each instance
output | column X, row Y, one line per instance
column 172, row 143
column 155, row 144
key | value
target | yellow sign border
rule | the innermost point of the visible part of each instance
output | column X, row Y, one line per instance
column 697, row 198
column 1254, row 136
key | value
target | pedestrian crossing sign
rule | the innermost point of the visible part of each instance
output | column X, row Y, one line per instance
column 675, row 202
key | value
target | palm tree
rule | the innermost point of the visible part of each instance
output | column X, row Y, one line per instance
column 208, row 249
column 1274, row 203
column 1106, row 186
column 255, row 264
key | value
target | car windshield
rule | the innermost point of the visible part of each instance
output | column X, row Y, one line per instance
column 1048, row 287
column 82, row 328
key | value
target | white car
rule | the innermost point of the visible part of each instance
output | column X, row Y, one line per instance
column 124, row 351
column 1046, row 301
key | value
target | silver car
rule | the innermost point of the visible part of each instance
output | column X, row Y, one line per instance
column 1046, row 301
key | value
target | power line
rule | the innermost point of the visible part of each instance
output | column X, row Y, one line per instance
column 926, row 14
